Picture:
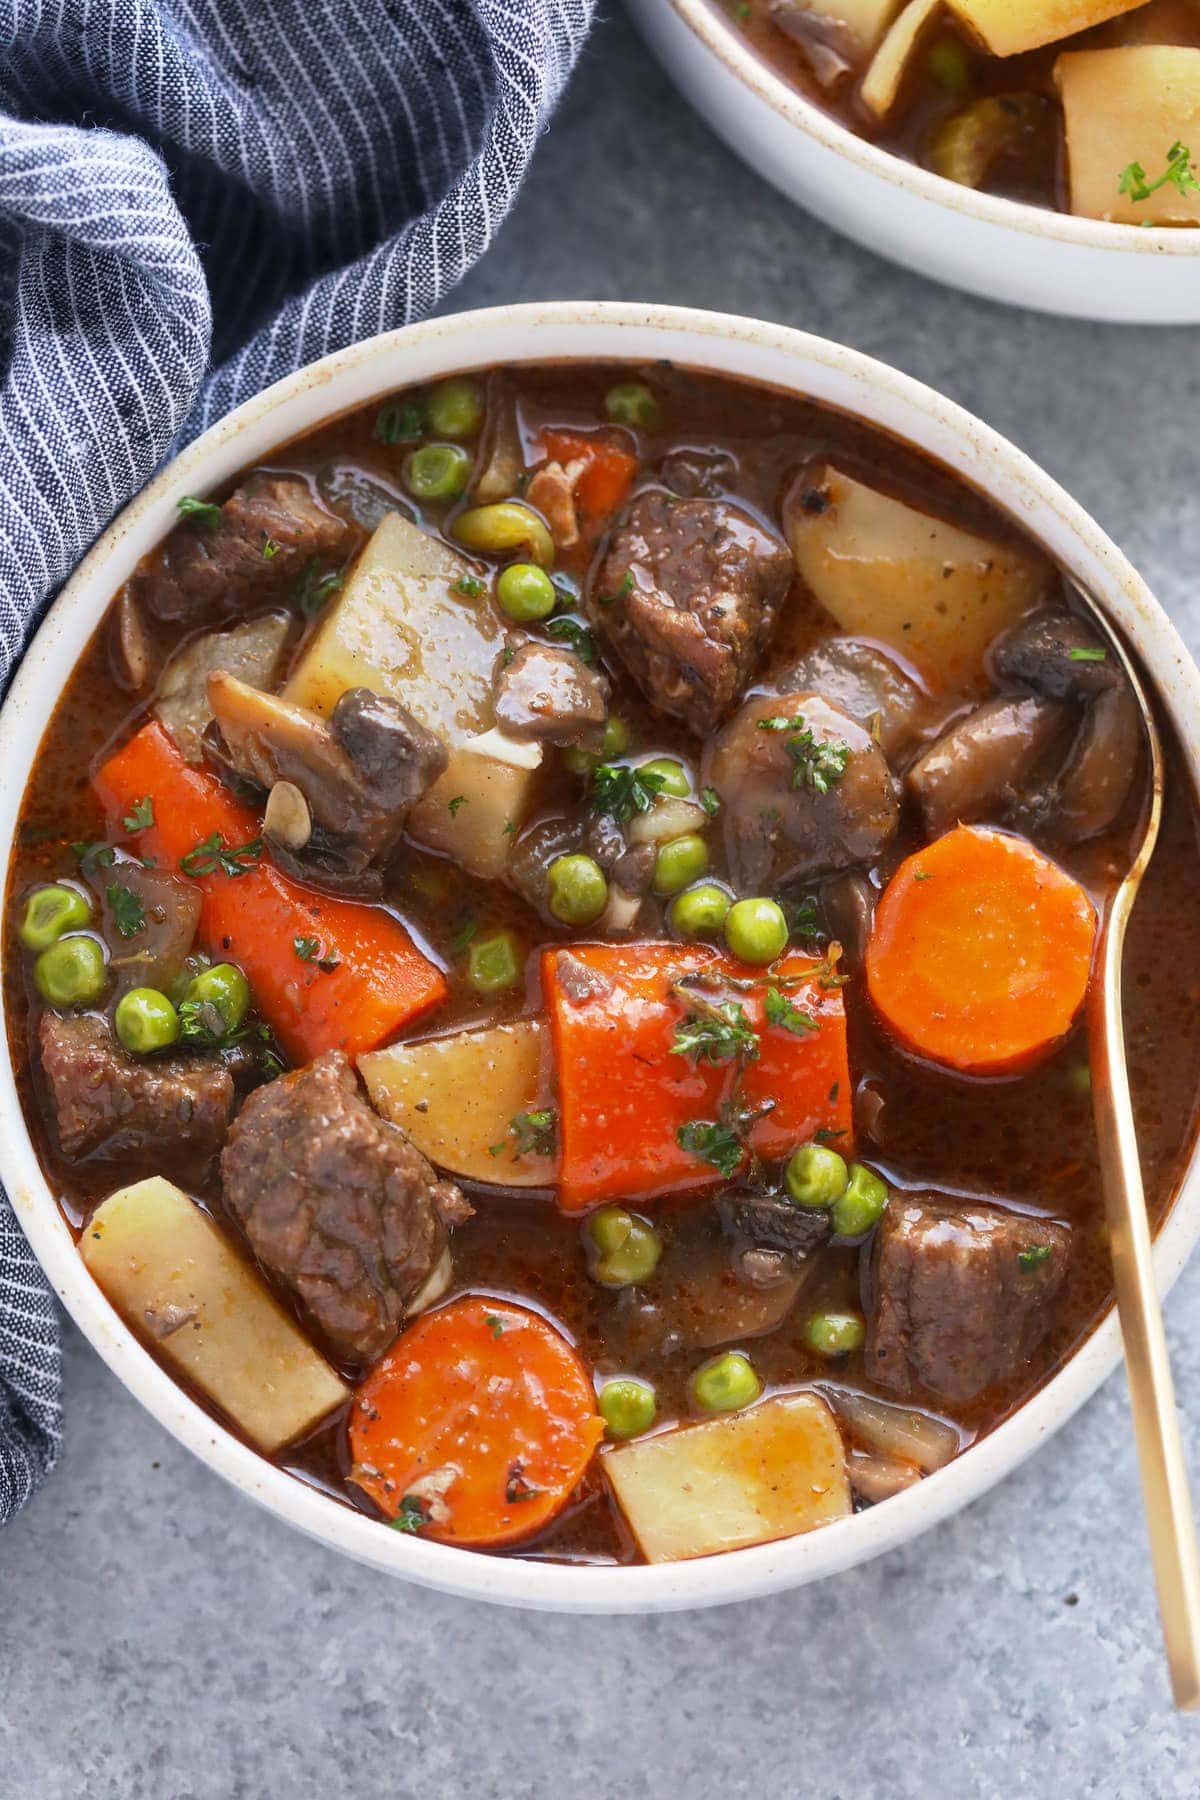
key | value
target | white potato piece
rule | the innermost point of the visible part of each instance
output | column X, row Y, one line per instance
column 176, row 1280
column 400, row 628
column 881, row 83
column 1127, row 105
column 1008, row 27
column 771, row 1472
column 917, row 584
column 669, row 817
column 456, row 1096
column 473, row 809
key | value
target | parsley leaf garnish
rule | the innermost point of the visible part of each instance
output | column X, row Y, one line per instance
column 141, row 815
column 710, row 800
column 313, row 590
column 780, row 1010
column 716, row 1032
column 399, row 423
column 212, row 854
column 1178, row 173
column 271, row 549
column 534, row 1132
column 469, row 586
column 306, row 948
column 452, row 806
column 819, row 763
column 621, row 791
column 129, row 913
column 623, row 587
column 1034, row 1255
column 1084, row 653
column 413, row 1514
column 203, row 513
column 806, row 920
column 93, row 856
column 577, row 636
column 494, row 1323
column 714, row 1143
column 468, row 926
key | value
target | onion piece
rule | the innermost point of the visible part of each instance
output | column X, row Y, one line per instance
column 900, row 1432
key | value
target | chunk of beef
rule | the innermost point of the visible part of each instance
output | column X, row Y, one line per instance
column 545, row 691
column 687, row 596
column 250, row 651
column 268, row 530
column 395, row 756
column 807, row 799
column 963, row 1294
column 337, row 1204
column 108, row 1103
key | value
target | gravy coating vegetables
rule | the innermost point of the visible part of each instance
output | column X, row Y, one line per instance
column 546, row 952
column 1090, row 106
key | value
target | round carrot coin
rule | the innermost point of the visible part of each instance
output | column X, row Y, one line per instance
column 476, row 1426
column 981, row 951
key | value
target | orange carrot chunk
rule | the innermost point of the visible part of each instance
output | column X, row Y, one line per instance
column 380, row 981
column 624, row 1092
column 981, row 951
column 477, row 1426
column 605, row 480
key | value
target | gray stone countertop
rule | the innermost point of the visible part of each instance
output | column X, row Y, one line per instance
column 163, row 1638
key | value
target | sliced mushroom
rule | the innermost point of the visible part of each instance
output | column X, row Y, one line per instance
column 806, row 790
column 250, row 651
column 848, row 902
column 532, row 855
column 1090, row 789
column 763, row 1221
column 868, row 685
column 129, row 649
column 978, row 768
column 876, row 1478
column 500, row 462
column 286, row 818
column 149, row 919
column 1057, row 654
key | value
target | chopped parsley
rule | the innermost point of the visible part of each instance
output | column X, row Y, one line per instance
column 129, row 913
column 452, row 806
column 306, row 948
column 710, row 800
column 621, row 791
column 495, row 1324
column 468, row 925
column 1083, row 653
column 313, row 590
column 623, row 587
column 141, row 815
column 1034, row 1255
column 826, row 1135
column 399, row 423
column 413, row 1514
column 271, row 549
column 806, row 920
column 212, row 856
column 203, row 513
column 716, row 1032
column 575, row 635
column 819, row 763
column 470, row 587
column 534, row 1133
column 93, row 856
column 1178, row 173
column 714, row 1143
column 921, row 874
column 780, row 1010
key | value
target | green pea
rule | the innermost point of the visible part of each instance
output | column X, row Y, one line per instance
column 862, row 1204
column 525, row 592
column 437, row 472
column 627, row 1406
column 674, row 776
column 71, row 972
column 834, row 1333
column 579, row 762
column 577, row 889
column 725, row 1384
column 700, row 911
column 50, row 913
column 629, row 1248
column 631, row 403
column 680, row 862
column 505, row 525
column 146, row 1021
column 949, row 65
column 1079, row 1079
column 815, row 1175
column 224, row 988
column 455, row 408
column 616, row 737
column 494, row 963
column 756, row 930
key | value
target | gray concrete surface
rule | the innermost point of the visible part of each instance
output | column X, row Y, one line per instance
column 160, row 1638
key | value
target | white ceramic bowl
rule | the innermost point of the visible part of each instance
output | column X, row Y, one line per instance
column 528, row 334
column 1001, row 249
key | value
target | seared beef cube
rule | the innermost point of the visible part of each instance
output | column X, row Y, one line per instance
column 337, row 1204
column 963, row 1295
column 396, row 757
column 687, row 596
column 108, row 1102
column 267, row 532
column 545, row 691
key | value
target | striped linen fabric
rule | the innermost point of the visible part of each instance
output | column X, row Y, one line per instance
column 197, row 196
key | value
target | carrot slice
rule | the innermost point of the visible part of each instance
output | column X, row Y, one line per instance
column 607, row 479
column 381, row 980
column 624, row 1093
column 477, row 1425
column 981, row 952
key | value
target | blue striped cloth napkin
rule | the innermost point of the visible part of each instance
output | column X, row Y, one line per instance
column 197, row 196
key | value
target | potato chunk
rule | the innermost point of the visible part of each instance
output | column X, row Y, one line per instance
column 456, row 1096
column 177, row 1281
column 768, row 1473
column 881, row 84
column 926, row 588
column 1123, row 106
column 473, row 809
column 1008, row 27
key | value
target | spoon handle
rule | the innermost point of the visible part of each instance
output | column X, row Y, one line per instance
column 1168, row 1501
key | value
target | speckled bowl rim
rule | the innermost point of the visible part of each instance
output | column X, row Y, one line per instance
column 717, row 32
column 514, row 335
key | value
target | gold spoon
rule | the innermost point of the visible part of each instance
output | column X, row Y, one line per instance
column 1168, row 1502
